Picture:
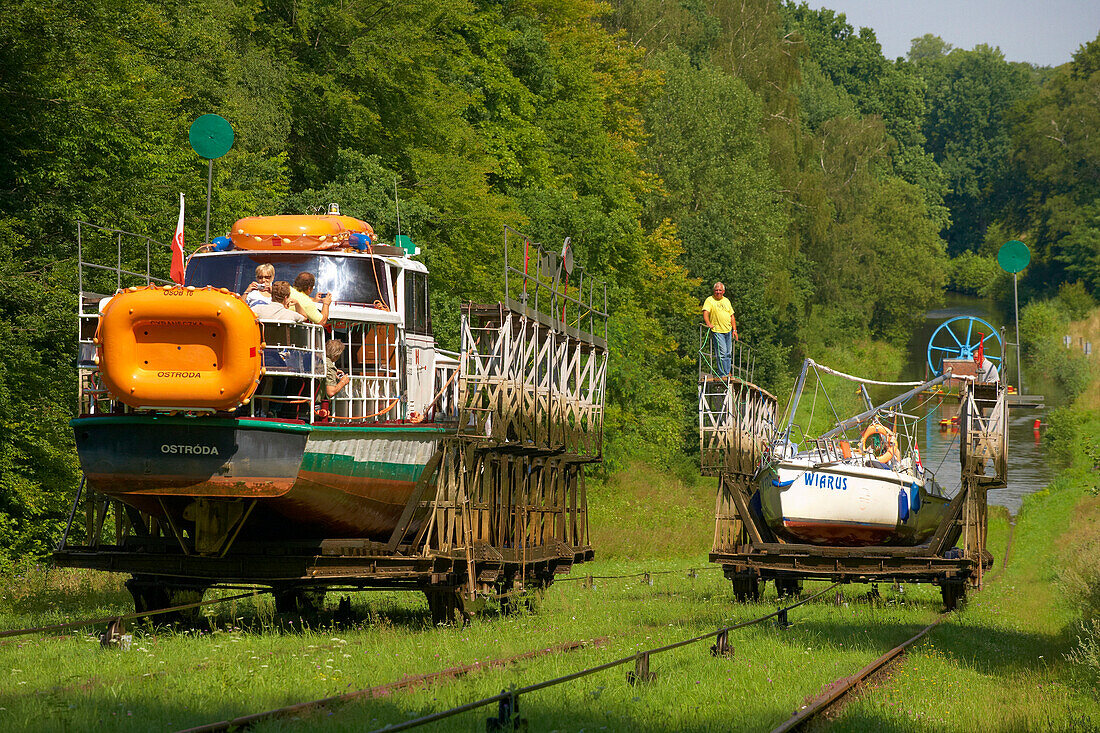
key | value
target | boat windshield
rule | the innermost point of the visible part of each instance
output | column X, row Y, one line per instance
column 352, row 279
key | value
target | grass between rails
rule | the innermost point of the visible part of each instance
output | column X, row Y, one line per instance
column 1011, row 659
column 176, row 680
column 1004, row 652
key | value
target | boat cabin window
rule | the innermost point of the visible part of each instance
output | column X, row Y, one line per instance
column 418, row 317
column 352, row 279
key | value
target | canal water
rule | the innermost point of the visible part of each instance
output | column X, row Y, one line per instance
column 1028, row 469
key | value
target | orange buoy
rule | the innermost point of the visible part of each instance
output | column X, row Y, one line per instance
column 179, row 348
column 1038, row 423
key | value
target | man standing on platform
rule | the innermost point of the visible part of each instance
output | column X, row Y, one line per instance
column 718, row 315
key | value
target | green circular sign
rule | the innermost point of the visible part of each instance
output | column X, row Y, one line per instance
column 1013, row 256
column 211, row 136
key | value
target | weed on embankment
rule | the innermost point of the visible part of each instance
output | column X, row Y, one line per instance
column 1023, row 654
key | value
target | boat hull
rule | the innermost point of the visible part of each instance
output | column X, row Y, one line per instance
column 848, row 505
column 328, row 481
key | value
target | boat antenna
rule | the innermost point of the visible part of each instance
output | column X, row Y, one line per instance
column 397, row 205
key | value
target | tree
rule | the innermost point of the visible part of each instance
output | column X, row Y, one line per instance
column 969, row 96
column 1054, row 202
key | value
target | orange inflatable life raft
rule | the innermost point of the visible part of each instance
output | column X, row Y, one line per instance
column 175, row 348
column 294, row 232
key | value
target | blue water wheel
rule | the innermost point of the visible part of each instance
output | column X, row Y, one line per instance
column 958, row 338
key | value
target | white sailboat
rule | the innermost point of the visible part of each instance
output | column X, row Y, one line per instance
column 871, row 490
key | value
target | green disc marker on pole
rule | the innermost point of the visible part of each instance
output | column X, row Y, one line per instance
column 1013, row 257
column 211, row 137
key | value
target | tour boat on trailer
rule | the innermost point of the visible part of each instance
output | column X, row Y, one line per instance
column 196, row 411
column 856, row 492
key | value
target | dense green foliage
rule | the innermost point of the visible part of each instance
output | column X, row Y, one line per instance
column 770, row 146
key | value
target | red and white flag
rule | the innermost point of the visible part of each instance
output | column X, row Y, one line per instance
column 177, row 248
column 916, row 456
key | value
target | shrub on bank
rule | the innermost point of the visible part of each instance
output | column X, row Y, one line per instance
column 1042, row 326
column 973, row 274
column 1074, row 436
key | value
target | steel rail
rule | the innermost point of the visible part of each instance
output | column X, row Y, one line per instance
column 512, row 694
column 843, row 686
column 128, row 616
column 846, row 684
column 388, row 688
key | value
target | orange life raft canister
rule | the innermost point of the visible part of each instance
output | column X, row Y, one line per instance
column 179, row 348
column 296, row 232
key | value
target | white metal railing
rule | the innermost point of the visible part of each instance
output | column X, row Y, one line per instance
column 444, row 404
column 372, row 357
column 294, row 369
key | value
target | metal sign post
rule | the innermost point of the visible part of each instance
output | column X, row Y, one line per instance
column 1013, row 257
column 211, row 137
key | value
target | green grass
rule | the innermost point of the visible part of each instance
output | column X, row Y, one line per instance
column 1002, row 663
column 998, row 664
column 169, row 680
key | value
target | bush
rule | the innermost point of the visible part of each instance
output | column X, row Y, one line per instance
column 1042, row 325
column 1075, row 301
column 973, row 274
column 1086, row 654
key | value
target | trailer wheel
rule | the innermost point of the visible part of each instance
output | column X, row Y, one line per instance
column 788, row 587
column 953, row 593
column 746, row 587
column 529, row 599
column 151, row 593
column 303, row 602
column 446, row 606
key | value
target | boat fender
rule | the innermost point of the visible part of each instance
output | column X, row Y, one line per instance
column 222, row 244
column 361, row 242
column 914, row 496
column 175, row 348
column 903, row 506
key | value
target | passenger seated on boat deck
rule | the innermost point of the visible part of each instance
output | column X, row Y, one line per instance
column 301, row 296
column 259, row 290
column 335, row 379
column 279, row 307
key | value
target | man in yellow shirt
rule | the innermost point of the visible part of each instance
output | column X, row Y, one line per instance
column 718, row 315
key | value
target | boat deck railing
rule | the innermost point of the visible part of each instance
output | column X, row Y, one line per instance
column 294, row 370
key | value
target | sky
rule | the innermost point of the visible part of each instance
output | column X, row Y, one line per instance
column 1043, row 32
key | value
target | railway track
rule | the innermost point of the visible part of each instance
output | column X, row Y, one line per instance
column 836, row 692
column 407, row 683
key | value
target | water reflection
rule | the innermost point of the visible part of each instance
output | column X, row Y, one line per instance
column 1028, row 470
